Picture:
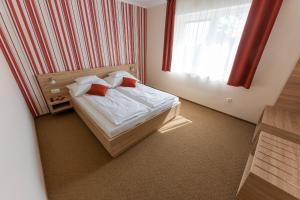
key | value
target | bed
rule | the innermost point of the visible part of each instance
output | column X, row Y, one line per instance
column 111, row 129
column 118, row 136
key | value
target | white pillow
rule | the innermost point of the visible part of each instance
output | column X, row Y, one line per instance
column 125, row 74
column 114, row 82
column 77, row 89
column 122, row 74
column 103, row 82
column 87, row 79
column 131, row 76
column 118, row 74
column 117, row 81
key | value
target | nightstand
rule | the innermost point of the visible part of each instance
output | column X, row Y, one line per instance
column 59, row 103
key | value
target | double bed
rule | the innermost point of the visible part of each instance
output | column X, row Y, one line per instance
column 117, row 105
column 124, row 116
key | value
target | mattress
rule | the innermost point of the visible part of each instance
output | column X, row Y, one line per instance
column 112, row 130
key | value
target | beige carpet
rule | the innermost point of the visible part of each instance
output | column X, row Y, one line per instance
column 199, row 160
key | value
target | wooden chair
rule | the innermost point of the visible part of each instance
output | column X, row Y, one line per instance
column 272, row 171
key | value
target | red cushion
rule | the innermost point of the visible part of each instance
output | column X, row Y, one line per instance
column 128, row 82
column 97, row 89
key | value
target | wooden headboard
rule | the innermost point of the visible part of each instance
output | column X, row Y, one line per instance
column 65, row 78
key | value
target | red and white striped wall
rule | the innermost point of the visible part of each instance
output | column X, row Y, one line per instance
column 44, row 36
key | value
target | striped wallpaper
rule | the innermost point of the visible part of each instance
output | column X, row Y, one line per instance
column 44, row 36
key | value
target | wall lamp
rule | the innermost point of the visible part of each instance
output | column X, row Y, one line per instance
column 52, row 81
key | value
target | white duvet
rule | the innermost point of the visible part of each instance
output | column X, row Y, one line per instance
column 147, row 95
column 117, row 107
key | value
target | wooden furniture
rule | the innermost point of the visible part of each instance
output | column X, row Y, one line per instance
column 118, row 144
column 59, row 103
column 280, row 122
column 283, row 119
column 290, row 95
column 273, row 168
column 272, row 171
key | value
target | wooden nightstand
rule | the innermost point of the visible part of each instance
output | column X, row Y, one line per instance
column 59, row 103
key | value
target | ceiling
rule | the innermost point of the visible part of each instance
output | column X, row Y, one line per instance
column 145, row 3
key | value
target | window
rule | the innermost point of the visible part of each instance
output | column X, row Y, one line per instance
column 206, row 36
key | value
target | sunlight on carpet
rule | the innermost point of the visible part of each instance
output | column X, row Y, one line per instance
column 177, row 122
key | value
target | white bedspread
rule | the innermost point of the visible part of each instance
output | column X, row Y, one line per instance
column 117, row 107
column 147, row 95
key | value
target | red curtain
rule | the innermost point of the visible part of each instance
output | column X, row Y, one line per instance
column 261, row 18
column 169, row 35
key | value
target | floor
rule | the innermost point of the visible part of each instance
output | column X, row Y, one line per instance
column 199, row 160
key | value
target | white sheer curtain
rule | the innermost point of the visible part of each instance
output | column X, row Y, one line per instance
column 206, row 36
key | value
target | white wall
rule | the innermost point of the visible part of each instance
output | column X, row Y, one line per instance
column 279, row 58
column 21, row 176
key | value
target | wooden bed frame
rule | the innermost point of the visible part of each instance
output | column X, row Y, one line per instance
column 120, row 143
column 117, row 144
